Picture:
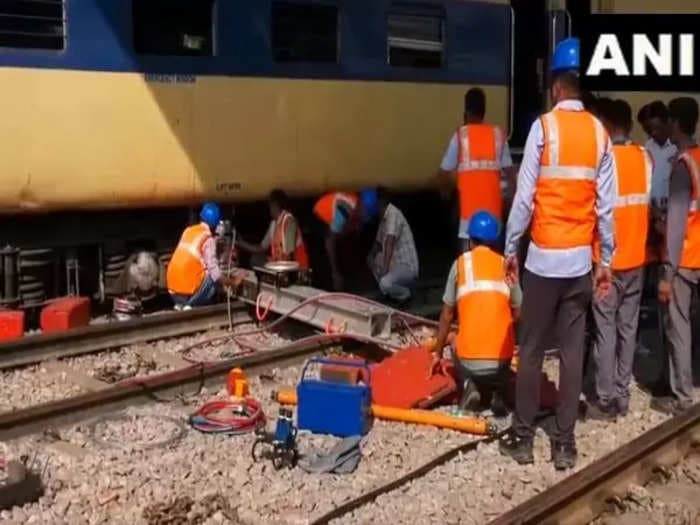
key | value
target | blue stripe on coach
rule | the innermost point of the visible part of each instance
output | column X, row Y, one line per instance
column 99, row 38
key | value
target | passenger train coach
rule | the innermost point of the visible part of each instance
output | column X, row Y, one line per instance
column 110, row 105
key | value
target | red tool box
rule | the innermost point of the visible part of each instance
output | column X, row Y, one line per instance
column 11, row 324
column 65, row 314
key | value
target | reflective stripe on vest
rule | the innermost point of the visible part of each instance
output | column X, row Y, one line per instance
column 483, row 304
column 479, row 169
column 690, row 257
column 277, row 250
column 565, row 195
column 633, row 170
column 186, row 269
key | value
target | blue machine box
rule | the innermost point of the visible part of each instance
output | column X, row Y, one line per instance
column 339, row 409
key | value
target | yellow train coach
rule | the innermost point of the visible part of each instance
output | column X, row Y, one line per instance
column 144, row 103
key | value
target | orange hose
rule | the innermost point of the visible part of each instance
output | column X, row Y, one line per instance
column 419, row 417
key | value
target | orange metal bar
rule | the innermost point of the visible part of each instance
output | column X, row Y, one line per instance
column 419, row 417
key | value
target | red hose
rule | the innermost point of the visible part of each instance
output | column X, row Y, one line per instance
column 261, row 316
column 247, row 417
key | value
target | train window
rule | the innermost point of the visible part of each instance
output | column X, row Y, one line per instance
column 174, row 27
column 415, row 37
column 304, row 32
column 31, row 24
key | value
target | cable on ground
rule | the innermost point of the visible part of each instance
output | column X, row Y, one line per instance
column 246, row 415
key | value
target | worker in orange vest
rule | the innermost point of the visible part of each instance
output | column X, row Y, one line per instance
column 486, row 308
column 477, row 153
column 616, row 315
column 566, row 188
column 193, row 271
column 283, row 238
column 344, row 213
column 681, row 269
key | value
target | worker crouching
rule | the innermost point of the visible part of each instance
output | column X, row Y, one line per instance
column 193, row 271
column 393, row 260
column 344, row 214
column 283, row 239
column 486, row 307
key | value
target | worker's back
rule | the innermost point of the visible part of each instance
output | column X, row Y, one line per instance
column 633, row 171
column 186, row 269
column 564, row 214
column 690, row 255
column 479, row 169
column 484, row 307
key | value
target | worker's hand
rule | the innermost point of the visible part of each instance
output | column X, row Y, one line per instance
column 602, row 282
column 435, row 363
column 665, row 291
column 338, row 281
column 512, row 270
column 233, row 281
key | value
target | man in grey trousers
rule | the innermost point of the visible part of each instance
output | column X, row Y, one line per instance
column 565, row 191
column 681, row 270
column 616, row 315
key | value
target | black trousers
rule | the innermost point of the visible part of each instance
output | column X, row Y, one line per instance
column 561, row 304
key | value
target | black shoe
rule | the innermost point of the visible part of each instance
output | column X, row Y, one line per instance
column 564, row 455
column 517, row 447
column 600, row 412
column 471, row 398
column 668, row 405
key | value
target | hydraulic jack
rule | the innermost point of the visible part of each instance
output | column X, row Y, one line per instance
column 283, row 445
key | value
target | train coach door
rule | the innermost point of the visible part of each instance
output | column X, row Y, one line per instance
column 529, row 47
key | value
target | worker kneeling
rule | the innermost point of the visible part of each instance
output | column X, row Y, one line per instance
column 283, row 239
column 193, row 271
column 486, row 307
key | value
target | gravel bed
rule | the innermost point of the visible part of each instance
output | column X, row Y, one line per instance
column 461, row 493
column 23, row 387
column 207, row 478
column 671, row 498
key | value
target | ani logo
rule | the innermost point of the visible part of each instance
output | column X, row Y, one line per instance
column 640, row 52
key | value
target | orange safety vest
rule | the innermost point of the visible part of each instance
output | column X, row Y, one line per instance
column 479, row 170
column 325, row 206
column 277, row 252
column 186, row 269
column 564, row 213
column 633, row 168
column 483, row 297
column 690, row 257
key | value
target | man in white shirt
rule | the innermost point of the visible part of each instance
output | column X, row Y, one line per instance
column 654, row 120
column 393, row 259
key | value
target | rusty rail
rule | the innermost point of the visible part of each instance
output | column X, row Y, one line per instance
column 581, row 497
column 149, row 389
column 34, row 349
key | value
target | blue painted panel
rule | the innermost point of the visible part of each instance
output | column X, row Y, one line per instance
column 99, row 37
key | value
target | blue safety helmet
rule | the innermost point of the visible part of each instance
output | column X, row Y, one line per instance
column 567, row 55
column 370, row 202
column 484, row 227
column 210, row 214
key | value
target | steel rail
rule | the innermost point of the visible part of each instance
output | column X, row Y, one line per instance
column 136, row 391
column 580, row 498
column 34, row 349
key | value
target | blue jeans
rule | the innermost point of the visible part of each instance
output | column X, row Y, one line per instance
column 202, row 297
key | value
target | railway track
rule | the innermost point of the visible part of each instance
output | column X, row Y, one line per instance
column 399, row 459
column 599, row 487
column 34, row 349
